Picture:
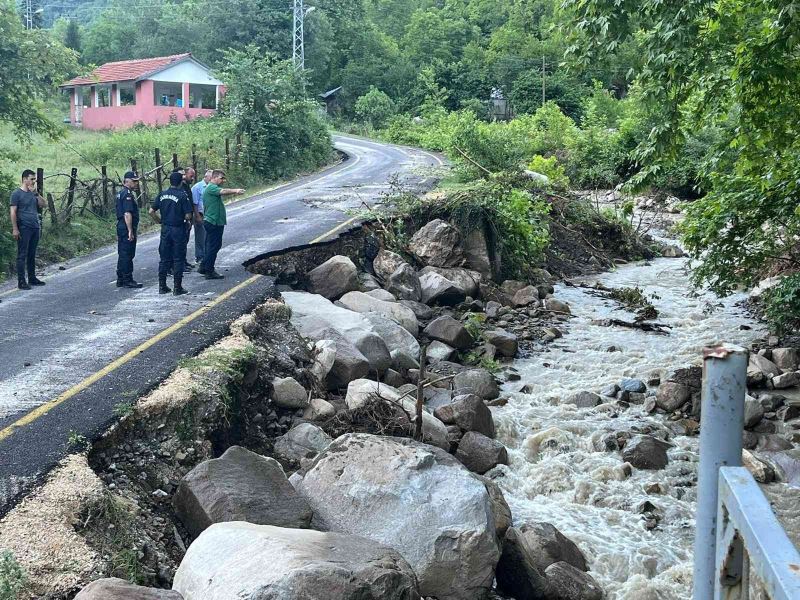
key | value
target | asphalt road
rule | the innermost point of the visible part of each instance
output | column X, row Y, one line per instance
column 72, row 350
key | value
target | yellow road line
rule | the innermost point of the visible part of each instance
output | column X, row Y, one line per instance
column 79, row 387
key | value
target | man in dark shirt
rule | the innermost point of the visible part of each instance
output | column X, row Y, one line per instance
column 173, row 209
column 26, row 228
column 127, row 225
column 188, row 175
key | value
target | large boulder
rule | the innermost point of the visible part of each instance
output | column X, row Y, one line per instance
column 361, row 391
column 525, row 296
column 763, row 364
column 671, row 395
column 119, row 589
column 453, row 333
column 362, row 303
column 287, row 393
column 243, row 561
column 374, row 348
column 565, row 582
column 467, row 281
column 319, row 410
column 476, row 252
column 437, row 289
column 238, row 486
column 528, row 551
column 414, row 498
column 394, row 336
column 505, row 342
column 423, row 311
column 438, row 351
column 348, row 362
column 584, row 399
column 387, row 262
column 438, row 244
column 404, row 283
column 480, row 453
column 334, row 278
column 324, row 357
column 753, row 412
column 476, row 381
column 382, row 294
column 302, row 441
column 469, row 413
column 646, row 452
column 787, row 359
column 785, row 380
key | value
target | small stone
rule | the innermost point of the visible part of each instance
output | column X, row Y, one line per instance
column 786, row 380
column 646, row 452
column 584, row 399
column 287, row 393
column 480, row 453
column 671, row 395
column 633, row 385
column 788, row 359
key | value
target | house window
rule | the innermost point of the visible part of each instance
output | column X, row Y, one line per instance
column 202, row 96
column 104, row 95
column 127, row 94
column 86, row 97
column 167, row 93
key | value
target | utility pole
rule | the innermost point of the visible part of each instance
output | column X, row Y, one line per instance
column 298, row 47
column 543, row 76
column 28, row 14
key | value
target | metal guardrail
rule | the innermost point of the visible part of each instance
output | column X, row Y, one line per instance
column 750, row 537
column 736, row 530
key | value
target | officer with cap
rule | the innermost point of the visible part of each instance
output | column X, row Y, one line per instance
column 173, row 209
column 127, row 224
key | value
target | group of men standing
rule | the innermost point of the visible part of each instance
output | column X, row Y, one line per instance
column 179, row 209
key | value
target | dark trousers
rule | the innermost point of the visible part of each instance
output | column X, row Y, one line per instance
column 26, row 252
column 213, row 244
column 172, row 251
column 199, row 241
column 126, row 251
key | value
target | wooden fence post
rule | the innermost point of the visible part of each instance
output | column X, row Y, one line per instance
column 194, row 163
column 158, row 170
column 39, row 186
column 73, row 178
column 51, row 206
column 174, row 161
column 227, row 154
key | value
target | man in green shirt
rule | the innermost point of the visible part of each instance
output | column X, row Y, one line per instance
column 214, row 221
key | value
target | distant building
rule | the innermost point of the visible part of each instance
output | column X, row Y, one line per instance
column 499, row 106
column 152, row 91
column 331, row 100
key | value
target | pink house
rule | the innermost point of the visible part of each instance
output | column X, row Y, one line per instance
column 151, row 91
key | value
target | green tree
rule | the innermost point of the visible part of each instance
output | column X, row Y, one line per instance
column 72, row 36
column 375, row 107
column 735, row 64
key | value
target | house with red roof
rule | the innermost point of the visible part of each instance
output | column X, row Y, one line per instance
column 153, row 91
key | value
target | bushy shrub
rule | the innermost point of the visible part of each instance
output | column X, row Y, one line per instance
column 375, row 107
column 552, row 169
column 782, row 304
column 12, row 578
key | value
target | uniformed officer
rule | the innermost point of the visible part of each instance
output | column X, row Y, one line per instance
column 173, row 209
column 127, row 224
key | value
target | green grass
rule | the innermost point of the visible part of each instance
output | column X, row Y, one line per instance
column 13, row 578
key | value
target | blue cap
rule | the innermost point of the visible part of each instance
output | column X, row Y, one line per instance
column 131, row 175
column 175, row 179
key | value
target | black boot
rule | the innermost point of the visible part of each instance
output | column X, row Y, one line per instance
column 178, row 288
column 131, row 283
column 23, row 285
column 162, row 286
column 120, row 281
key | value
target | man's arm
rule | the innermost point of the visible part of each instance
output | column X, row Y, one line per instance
column 14, row 228
column 40, row 200
column 129, row 223
column 230, row 191
column 155, row 216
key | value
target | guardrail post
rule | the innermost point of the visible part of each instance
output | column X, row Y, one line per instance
column 721, row 426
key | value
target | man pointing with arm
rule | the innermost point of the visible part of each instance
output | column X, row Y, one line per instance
column 214, row 221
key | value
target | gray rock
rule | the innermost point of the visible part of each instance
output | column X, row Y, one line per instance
column 464, row 279
column 373, row 347
column 491, row 309
column 440, row 351
column 469, row 413
column 691, row 377
column 404, row 283
column 585, row 400
column 386, row 263
column 525, row 296
column 672, row 251
column 671, row 396
column 394, row 336
column 238, row 486
column 646, row 452
column 565, row 582
column 436, row 397
column 633, row 385
column 753, row 412
column 766, row 366
column 505, row 342
column 610, row 391
column 480, row 453
column 333, row 278
column 511, row 286
column 786, row 380
column 302, row 441
column 422, row 311
column 453, row 333
column 382, row 295
column 787, row 359
column 362, row 303
column 242, row 561
column 324, row 357
column 502, row 512
column 476, row 381
column 476, row 252
column 548, row 545
column 403, row 361
column 368, row 282
column 437, row 289
column 414, row 498
column 119, row 589
column 558, row 306
column 348, row 364
column 438, row 244
column 319, row 410
column 393, row 378
column 287, row 393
